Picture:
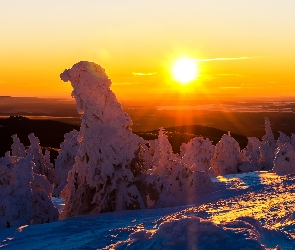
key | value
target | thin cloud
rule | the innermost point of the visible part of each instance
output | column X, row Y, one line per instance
column 224, row 59
column 143, row 74
column 237, row 75
column 124, row 83
column 230, row 87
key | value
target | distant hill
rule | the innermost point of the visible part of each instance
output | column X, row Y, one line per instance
column 51, row 133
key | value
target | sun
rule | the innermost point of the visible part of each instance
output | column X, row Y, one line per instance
column 185, row 70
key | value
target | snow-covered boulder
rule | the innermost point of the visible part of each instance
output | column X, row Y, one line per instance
column 227, row 156
column 284, row 161
column 101, row 179
column 65, row 160
column 25, row 195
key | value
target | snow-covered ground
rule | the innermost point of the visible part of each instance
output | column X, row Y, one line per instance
column 245, row 211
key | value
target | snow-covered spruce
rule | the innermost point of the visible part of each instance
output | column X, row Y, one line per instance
column 24, row 196
column 42, row 162
column 17, row 148
column 101, row 179
column 65, row 160
column 169, row 182
column 227, row 156
column 284, row 161
column 197, row 154
column 251, row 156
column 267, row 149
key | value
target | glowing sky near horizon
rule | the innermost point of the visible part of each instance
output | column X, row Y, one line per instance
column 243, row 48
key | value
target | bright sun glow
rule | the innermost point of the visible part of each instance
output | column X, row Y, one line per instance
column 185, row 70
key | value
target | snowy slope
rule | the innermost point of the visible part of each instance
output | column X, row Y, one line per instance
column 245, row 211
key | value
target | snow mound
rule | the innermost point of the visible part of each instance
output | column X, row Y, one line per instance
column 193, row 232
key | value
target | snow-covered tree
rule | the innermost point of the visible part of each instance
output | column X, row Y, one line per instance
column 227, row 156
column 17, row 148
column 65, row 160
column 283, row 138
column 101, row 179
column 25, row 195
column 162, row 155
column 197, row 154
column 42, row 162
column 169, row 181
column 251, row 156
column 268, row 147
column 284, row 161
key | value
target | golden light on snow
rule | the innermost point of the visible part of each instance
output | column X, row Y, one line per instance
column 185, row 70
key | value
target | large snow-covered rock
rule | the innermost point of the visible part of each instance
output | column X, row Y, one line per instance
column 102, row 178
column 227, row 156
column 25, row 195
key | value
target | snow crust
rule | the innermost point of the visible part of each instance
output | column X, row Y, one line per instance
column 192, row 232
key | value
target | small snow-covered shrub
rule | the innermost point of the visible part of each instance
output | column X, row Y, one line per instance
column 25, row 195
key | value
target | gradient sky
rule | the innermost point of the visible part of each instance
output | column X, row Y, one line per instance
column 245, row 48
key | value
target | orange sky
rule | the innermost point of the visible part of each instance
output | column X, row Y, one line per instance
column 250, row 45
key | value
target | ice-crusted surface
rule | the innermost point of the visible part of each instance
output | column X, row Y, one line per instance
column 192, row 232
column 101, row 179
column 24, row 196
column 65, row 160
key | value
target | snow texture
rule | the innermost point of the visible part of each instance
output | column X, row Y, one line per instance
column 192, row 232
